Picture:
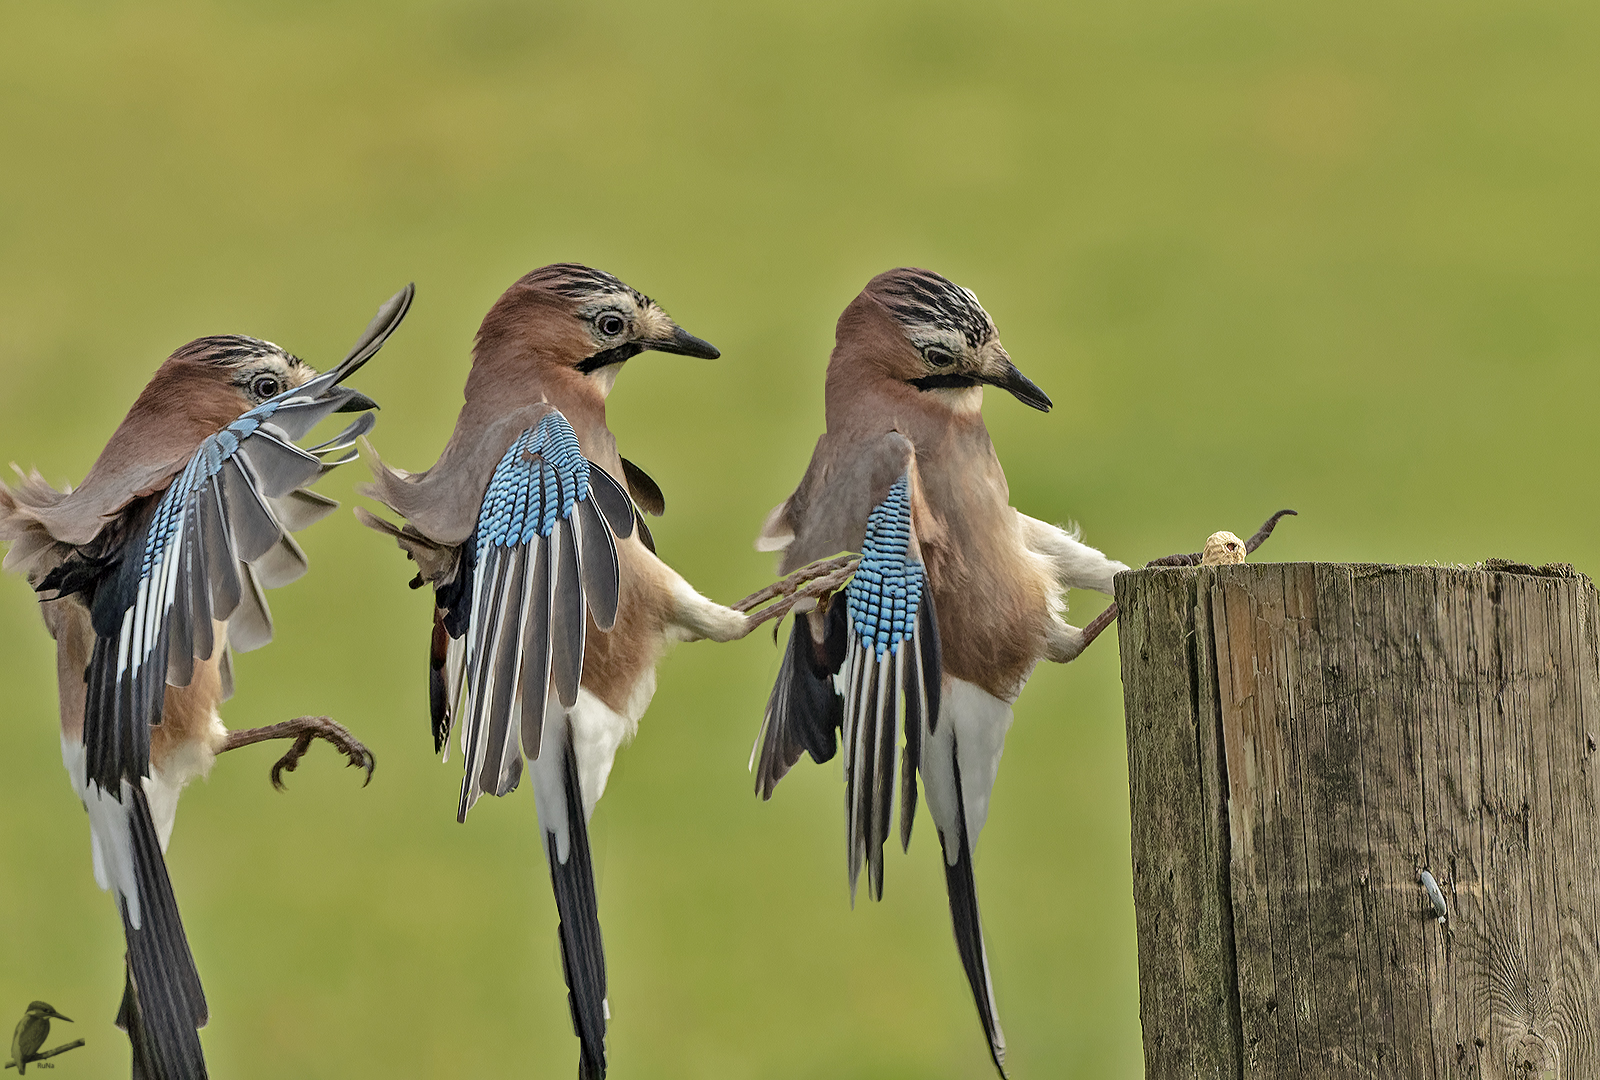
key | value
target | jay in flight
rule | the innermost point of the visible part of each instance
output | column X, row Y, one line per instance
column 150, row 575
column 551, row 608
column 957, row 596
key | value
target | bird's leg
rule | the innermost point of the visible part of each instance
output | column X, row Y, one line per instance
column 303, row 730
column 1109, row 615
column 1097, row 624
column 807, row 583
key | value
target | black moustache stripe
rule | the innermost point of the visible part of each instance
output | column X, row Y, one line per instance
column 610, row 356
column 936, row 382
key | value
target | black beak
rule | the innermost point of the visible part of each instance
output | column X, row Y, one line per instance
column 358, row 402
column 1021, row 388
column 58, row 1016
column 685, row 344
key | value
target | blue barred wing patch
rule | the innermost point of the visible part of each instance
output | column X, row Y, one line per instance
column 891, row 657
column 886, row 591
column 541, row 478
column 543, row 560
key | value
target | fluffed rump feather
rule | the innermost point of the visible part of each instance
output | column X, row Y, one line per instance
column 34, row 551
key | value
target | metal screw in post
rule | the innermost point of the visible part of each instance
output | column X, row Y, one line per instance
column 1432, row 888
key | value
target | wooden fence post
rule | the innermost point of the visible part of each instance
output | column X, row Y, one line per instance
column 1303, row 741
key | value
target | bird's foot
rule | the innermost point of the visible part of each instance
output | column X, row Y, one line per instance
column 810, row 582
column 1193, row 558
column 303, row 730
column 1109, row 615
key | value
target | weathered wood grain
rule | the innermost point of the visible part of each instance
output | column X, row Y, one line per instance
column 1303, row 741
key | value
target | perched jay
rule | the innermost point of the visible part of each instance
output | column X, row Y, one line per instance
column 150, row 574
column 957, row 597
column 551, row 607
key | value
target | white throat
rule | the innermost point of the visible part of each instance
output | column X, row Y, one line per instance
column 606, row 378
column 959, row 399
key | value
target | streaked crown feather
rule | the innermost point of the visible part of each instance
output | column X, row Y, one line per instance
column 922, row 298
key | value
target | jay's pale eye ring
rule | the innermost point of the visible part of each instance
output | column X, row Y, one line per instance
column 938, row 357
column 610, row 325
column 266, row 386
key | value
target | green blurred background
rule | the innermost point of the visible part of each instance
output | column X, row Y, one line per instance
column 1335, row 257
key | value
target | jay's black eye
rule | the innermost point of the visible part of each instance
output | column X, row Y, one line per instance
column 610, row 324
column 266, row 386
column 938, row 357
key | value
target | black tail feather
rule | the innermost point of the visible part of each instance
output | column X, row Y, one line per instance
column 164, row 1004
column 963, row 891
column 129, row 1020
column 583, row 959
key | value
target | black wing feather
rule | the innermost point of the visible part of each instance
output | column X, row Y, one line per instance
column 804, row 712
column 536, row 659
column 602, row 582
column 614, row 502
column 502, row 763
column 439, row 703
column 645, row 491
column 567, row 622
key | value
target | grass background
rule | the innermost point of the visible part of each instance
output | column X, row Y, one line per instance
column 1335, row 257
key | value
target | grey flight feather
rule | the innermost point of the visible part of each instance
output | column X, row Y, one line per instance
column 545, row 555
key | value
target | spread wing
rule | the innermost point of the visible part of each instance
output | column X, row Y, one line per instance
column 203, row 550
column 891, row 651
column 847, row 489
column 543, row 554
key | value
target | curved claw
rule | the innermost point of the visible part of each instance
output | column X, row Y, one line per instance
column 304, row 730
column 1106, row 617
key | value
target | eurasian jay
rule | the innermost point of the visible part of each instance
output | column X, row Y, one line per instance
column 957, row 596
column 551, row 607
column 150, row 575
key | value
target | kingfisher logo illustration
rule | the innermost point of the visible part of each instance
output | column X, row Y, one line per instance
column 32, row 1031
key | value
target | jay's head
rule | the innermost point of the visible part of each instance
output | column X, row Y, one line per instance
column 925, row 330
column 571, row 318
column 255, row 370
